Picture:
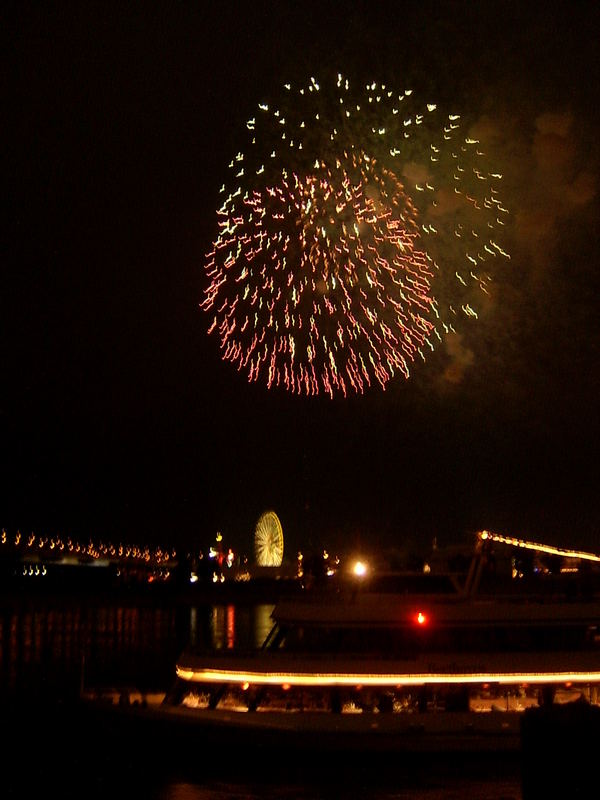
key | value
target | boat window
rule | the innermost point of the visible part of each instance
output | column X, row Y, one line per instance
column 407, row 640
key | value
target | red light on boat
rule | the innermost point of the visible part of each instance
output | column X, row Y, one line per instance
column 421, row 618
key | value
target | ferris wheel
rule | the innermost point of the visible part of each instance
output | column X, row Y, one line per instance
column 268, row 540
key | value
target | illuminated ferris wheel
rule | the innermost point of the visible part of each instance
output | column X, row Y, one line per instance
column 268, row 540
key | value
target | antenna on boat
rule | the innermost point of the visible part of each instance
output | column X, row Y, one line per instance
column 475, row 567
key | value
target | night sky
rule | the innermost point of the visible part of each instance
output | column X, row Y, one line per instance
column 118, row 418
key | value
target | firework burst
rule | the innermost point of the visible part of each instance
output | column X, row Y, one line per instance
column 355, row 229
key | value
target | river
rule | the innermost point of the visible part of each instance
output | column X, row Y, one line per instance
column 51, row 647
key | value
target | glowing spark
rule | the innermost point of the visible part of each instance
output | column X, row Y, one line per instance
column 327, row 240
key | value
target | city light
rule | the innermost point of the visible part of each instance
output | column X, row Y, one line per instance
column 359, row 569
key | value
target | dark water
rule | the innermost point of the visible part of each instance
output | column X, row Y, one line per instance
column 50, row 648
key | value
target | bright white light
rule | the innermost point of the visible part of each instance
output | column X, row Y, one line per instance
column 360, row 569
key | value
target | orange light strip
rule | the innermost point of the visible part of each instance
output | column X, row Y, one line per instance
column 352, row 679
column 542, row 548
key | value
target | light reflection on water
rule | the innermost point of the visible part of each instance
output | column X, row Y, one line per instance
column 230, row 626
column 52, row 648
column 457, row 789
column 239, row 626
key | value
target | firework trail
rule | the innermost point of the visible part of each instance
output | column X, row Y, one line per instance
column 355, row 229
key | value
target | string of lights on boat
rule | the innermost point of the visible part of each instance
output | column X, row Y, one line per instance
column 247, row 678
column 540, row 548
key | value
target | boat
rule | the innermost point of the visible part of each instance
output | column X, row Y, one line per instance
column 438, row 660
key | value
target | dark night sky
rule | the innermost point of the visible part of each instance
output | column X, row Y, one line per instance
column 117, row 417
